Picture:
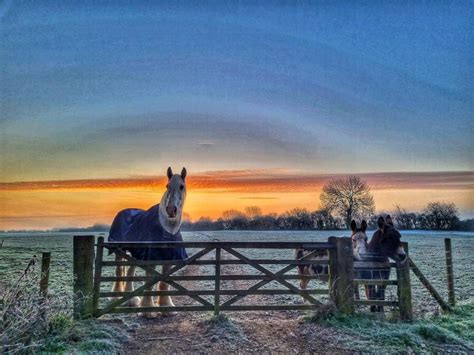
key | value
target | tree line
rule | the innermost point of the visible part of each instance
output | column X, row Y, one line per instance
column 341, row 201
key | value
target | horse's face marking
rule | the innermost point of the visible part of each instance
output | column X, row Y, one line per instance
column 175, row 194
column 359, row 239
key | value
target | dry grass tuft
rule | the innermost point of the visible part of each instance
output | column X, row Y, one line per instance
column 26, row 315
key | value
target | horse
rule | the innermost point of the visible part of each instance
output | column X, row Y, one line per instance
column 359, row 244
column 385, row 244
column 161, row 222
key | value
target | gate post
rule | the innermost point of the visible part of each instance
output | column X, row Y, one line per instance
column 83, row 265
column 44, row 281
column 404, row 287
column 97, row 274
column 217, row 284
column 341, row 274
column 449, row 271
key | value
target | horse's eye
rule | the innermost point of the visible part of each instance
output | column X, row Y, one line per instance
column 181, row 187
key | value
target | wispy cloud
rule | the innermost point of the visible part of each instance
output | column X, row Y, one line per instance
column 256, row 181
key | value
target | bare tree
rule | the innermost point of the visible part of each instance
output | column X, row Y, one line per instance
column 348, row 198
column 228, row 215
column 439, row 215
column 253, row 212
column 403, row 219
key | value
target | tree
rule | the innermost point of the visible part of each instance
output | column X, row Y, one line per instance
column 322, row 219
column 298, row 218
column 252, row 212
column 348, row 198
column 234, row 219
column 403, row 219
column 439, row 215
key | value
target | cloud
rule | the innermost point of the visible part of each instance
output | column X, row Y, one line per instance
column 205, row 144
column 260, row 181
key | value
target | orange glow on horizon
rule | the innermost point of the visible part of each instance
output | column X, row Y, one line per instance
column 70, row 203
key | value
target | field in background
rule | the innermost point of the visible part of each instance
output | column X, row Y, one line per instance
column 426, row 249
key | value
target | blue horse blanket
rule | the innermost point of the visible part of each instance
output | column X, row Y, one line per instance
column 137, row 225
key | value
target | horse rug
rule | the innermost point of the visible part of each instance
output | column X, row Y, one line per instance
column 137, row 225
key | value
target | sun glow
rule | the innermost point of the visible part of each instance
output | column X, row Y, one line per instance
column 49, row 204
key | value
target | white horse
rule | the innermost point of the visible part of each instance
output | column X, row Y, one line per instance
column 161, row 222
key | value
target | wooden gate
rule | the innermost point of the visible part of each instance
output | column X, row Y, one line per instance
column 92, row 300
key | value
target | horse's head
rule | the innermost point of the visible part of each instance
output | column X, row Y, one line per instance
column 387, row 240
column 359, row 239
column 173, row 199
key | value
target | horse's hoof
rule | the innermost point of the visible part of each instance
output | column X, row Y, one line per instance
column 133, row 302
column 148, row 315
column 169, row 314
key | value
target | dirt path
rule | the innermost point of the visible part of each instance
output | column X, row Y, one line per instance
column 243, row 332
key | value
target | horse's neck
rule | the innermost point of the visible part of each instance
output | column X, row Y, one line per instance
column 165, row 223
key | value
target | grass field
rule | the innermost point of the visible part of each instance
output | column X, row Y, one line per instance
column 426, row 249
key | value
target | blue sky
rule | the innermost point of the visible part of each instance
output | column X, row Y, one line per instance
column 114, row 89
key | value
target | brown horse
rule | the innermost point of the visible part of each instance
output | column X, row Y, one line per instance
column 385, row 244
column 359, row 244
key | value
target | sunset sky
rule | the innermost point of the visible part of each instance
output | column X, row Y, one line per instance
column 262, row 104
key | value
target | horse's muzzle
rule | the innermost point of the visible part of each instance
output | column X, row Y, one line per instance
column 172, row 211
column 402, row 258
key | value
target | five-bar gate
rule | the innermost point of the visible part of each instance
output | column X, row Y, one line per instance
column 91, row 299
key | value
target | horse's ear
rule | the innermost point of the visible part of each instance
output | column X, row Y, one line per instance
column 183, row 174
column 380, row 222
column 353, row 226
column 363, row 226
column 388, row 220
column 169, row 172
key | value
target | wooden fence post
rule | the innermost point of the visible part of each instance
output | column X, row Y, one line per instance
column 83, row 266
column 404, row 287
column 332, row 269
column 44, row 280
column 217, row 282
column 341, row 274
column 97, row 274
column 449, row 271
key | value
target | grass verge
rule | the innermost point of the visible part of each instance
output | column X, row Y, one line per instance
column 31, row 322
column 447, row 332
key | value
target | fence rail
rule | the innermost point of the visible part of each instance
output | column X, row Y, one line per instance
column 341, row 283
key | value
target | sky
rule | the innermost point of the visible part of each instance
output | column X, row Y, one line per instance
column 262, row 103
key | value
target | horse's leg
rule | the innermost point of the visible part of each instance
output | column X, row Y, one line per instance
column 371, row 291
column 356, row 286
column 118, row 286
column 304, row 281
column 378, row 275
column 134, row 301
column 165, row 301
column 384, row 275
column 356, row 292
column 147, row 301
